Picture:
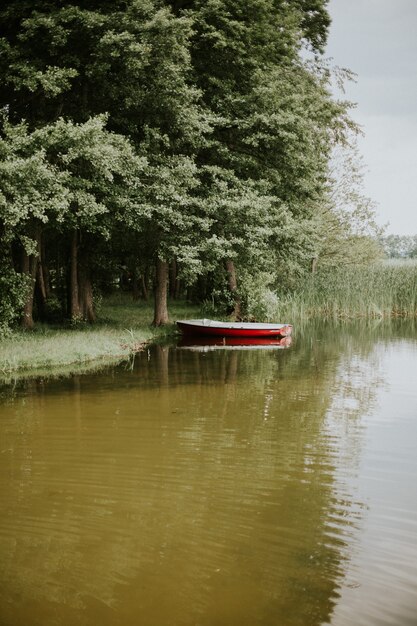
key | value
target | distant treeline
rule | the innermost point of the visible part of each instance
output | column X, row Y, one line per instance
column 400, row 246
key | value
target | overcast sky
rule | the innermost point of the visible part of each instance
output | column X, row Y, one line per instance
column 377, row 39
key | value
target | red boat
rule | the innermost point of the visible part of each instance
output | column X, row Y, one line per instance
column 233, row 329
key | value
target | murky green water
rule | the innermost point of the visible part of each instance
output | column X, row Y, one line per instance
column 228, row 487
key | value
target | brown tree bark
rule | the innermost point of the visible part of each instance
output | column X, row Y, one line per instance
column 45, row 269
column 42, row 281
column 86, row 296
column 29, row 266
column 135, row 286
column 75, row 308
column 232, row 284
column 81, row 297
column 27, row 313
column 145, row 283
column 161, row 293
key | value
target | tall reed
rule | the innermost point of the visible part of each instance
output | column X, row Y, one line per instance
column 352, row 292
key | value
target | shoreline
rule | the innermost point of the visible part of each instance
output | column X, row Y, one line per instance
column 123, row 328
column 56, row 367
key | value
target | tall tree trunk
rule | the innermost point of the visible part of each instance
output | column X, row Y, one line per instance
column 29, row 266
column 42, row 281
column 145, row 283
column 27, row 314
column 45, row 269
column 86, row 296
column 232, row 284
column 135, row 285
column 82, row 302
column 161, row 292
column 75, row 309
column 200, row 290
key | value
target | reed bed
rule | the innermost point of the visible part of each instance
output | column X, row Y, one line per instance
column 377, row 291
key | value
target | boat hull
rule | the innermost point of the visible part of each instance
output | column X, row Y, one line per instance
column 244, row 329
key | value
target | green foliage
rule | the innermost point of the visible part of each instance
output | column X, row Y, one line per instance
column 13, row 287
column 31, row 186
column 265, row 165
column 66, row 172
column 260, row 300
column 162, row 207
column 345, row 227
column 96, row 165
column 65, row 176
column 189, row 131
column 128, row 59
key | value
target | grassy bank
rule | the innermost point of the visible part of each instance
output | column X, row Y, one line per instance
column 123, row 327
column 383, row 291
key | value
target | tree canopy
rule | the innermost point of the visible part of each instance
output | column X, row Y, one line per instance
column 148, row 142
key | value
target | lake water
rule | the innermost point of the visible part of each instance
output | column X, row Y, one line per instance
column 217, row 487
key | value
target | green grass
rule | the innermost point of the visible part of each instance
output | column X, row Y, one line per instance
column 123, row 327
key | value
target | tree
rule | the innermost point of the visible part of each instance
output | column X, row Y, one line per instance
column 166, row 214
column 347, row 231
column 212, row 158
column 129, row 60
column 274, row 121
column 70, row 176
column 33, row 192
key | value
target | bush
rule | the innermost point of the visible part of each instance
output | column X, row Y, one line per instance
column 259, row 300
column 13, row 289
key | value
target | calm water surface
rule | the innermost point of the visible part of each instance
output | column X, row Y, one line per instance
column 228, row 487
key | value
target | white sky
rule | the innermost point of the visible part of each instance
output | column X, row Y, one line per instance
column 377, row 39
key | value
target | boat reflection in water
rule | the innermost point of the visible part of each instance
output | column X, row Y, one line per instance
column 205, row 344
